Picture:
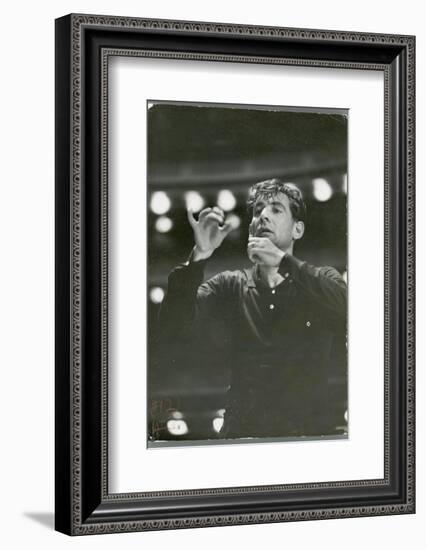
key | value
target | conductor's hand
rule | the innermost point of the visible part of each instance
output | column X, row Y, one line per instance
column 209, row 231
column 262, row 251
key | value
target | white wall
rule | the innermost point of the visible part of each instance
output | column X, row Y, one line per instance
column 26, row 289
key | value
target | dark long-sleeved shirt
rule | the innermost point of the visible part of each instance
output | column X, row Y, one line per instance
column 282, row 345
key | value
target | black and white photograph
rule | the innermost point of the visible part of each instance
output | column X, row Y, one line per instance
column 247, row 273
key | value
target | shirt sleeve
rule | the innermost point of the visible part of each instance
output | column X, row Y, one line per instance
column 324, row 284
column 188, row 299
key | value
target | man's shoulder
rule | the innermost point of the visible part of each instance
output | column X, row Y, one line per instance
column 296, row 268
column 329, row 270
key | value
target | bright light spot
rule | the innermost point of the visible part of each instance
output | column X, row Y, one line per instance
column 160, row 203
column 226, row 200
column 218, row 420
column 156, row 294
column 218, row 423
column 194, row 201
column 322, row 189
column 234, row 220
column 345, row 276
column 346, row 416
column 177, row 427
column 345, row 183
column 163, row 224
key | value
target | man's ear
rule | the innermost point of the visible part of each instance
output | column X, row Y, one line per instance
column 298, row 230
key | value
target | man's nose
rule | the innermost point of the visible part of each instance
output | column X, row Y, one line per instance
column 264, row 215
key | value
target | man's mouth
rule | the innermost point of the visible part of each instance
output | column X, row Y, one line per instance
column 263, row 231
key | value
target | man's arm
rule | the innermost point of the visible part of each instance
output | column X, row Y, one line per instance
column 187, row 296
column 188, row 299
column 323, row 284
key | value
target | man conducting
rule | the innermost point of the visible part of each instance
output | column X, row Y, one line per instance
column 279, row 326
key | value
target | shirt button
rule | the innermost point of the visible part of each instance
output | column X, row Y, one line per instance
column 271, row 306
column 308, row 323
column 286, row 275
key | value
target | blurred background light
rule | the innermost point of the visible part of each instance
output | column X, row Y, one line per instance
column 177, row 427
column 156, row 294
column 218, row 423
column 160, row 203
column 322, row 189
column 234, row 220
column 163, row 224
column 226, row 200
column 218, row 420
column 194, row 201
column 345, row 276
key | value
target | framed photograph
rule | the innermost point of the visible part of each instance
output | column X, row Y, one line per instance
column 234, row 274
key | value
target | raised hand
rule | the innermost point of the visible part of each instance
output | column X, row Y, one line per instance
column 209, row 231
column 262, row 251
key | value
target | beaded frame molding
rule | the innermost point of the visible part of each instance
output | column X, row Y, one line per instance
column 84, row 44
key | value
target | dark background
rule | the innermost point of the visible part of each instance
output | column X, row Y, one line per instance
column 208, row 148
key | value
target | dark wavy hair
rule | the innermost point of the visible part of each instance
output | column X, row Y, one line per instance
column 270, row 188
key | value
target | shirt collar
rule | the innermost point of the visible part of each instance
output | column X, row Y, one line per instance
column 250, row 277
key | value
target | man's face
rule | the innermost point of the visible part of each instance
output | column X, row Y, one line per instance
column 272, row 218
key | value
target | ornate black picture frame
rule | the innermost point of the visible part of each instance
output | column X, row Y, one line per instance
column 84, row 43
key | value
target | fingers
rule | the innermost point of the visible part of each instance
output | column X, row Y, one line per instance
column 219, row 211
column 202, row 216
column 252, row 256
column 213, row 217
column 227, row 227
column 257, row 256
column 216, row 210
column 203, row 213
column 191, row 218
column 209, row 215
column 255, row 250
column 258, row 242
